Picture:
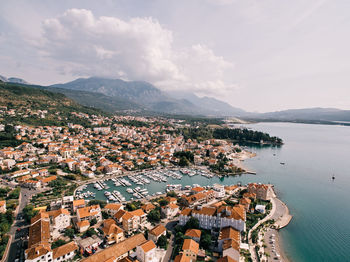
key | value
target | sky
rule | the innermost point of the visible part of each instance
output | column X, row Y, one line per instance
column 258, row 55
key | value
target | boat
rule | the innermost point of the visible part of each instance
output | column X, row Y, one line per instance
column 282, row 163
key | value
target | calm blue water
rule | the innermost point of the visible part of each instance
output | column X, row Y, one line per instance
column 320, row 229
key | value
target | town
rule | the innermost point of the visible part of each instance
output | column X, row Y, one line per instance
column 58, row 219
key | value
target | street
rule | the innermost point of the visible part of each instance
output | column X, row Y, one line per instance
column 19, row 230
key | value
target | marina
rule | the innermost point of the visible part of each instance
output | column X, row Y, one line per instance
column 148, row 184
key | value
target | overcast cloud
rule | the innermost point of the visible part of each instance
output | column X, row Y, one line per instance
column 257, row 55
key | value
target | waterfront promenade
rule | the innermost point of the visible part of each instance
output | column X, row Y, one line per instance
column 280, row 214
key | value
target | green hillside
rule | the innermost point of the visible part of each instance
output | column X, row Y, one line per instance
column 27, row 100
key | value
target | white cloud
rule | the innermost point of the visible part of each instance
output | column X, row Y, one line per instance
column 137, row 49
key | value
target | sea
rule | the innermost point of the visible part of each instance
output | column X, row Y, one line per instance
column 301, row 171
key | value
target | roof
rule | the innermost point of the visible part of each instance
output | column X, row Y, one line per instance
column 117, row 249
column 65, row 249
column 148, row 207
column 226, row 259
column 83, row 223
column 186, row 212
column 148, row 246
column 209, row 211
column 182, row 258
column 172, row 206
column 191, row 245
column 229, row 233
column 197, row 189
column 138, row 212
column 39, row 216
column 127, row 216
column 39, row 233
column 230, row 243
column 113, row 206
column 119, row 214
column 88, row 211
column 2, row 203
column 112, row 229
column 37, row 251
column 193, row 233
column 157, row 230
column 78, row 202
column 56, row 213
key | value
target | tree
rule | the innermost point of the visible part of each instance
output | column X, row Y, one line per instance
column 183, row 161
column 183, row 202
column 205, row 241
column 28, row 213
column 69, row 232
column 192, row 223
column 102, row 203
column 154, row 216
column 90, row 232
column 58, row 243
column 171, row 194
column 163, row 202
column 162, row 242
column 93, row 221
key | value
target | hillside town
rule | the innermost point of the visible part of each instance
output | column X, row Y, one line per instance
column 51, row 167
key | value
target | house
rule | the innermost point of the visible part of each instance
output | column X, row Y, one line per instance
column 141, row 216
column 119, row 215
column 117, row 251
column 216, row 217
column 219, row 190
column 148, row 207
column 89, row 244
column 170, row 210
column 228, row 233
column 190, row 249
column 231, row 248
column 39, row 248
column 65, row 252
column 230, row 189
column 79, row 203
column 171, row 200
column 262, row 191
column 194, row 234
column 59, row 220
column 113, row 208
column 2, row 206
column 260, row 209
column 82, row 226
column 111, row 232
column 129, row 222
column 245, row 202
column 146, row 252
column 156, row 232
column 89, row 213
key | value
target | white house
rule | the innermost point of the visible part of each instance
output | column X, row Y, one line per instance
column 146, row 252
column 170, row 210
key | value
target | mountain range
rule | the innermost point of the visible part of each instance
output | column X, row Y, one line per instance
column 115, row 95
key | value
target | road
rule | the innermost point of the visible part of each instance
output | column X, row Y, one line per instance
column 18, row 237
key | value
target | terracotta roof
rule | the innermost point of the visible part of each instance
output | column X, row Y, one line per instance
column 88, row 211
column 193, row 233
column 197, row 189
column 173, row 206
column 209, row 211
column 148, row 246
column 229, row 233
column 83, row 223
column 186, row 212
column 41, row 215
column 112, row 229
column 127, row 216
column 191, row 245
column 148, row 207
column 37, row 251
column 2, row 203
column 182, row 258
column 39, row 233
column 108, row 222
column 55, row 213
column 113, row 206
column 138, row 212
column 158, row 230
column 230, row 243
column 65, row 249
column 117, row 249
column 119, row 214
column 78, row 202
